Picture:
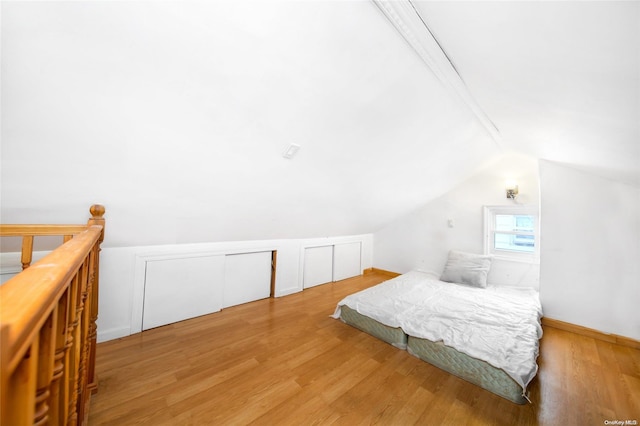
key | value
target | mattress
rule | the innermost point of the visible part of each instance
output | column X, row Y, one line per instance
column 392, row 335
column 486, row 336
column 471, row 369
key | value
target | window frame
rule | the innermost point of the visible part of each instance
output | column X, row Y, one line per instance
column 490, row 213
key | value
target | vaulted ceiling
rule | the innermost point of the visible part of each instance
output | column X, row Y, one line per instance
column 560, row 79
column 176, row 114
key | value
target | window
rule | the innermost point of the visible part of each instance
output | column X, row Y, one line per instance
column 512, row 232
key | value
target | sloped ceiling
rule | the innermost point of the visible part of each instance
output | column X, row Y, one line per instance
column 175, row 114
column 560, row 79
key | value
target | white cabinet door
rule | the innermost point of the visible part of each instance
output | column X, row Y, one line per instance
column 247, row 278
column 346, row 261
column 178, row 289
column 318, row 266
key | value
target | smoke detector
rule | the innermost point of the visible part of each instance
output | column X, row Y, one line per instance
column 291, row 150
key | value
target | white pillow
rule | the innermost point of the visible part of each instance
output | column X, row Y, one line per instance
column 467, row 268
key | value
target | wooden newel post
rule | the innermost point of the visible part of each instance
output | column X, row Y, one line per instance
column 97, row 218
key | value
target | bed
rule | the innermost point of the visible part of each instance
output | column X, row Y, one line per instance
column 487, row 335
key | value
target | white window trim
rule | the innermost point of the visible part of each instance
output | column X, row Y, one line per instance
column 489, row 214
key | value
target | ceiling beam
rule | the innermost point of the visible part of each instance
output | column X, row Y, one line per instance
column 408, row 22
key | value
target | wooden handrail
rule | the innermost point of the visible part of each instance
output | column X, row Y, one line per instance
column 44, row 282
column 40, row 230
column 48, row 331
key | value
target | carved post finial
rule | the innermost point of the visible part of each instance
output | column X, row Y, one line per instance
column 97, row 213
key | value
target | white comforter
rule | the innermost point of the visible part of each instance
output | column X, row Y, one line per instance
column 500, row 325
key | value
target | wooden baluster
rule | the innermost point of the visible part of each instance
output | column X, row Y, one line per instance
column 59, row 395
column 93, row 327
column 66, row 238
column 4, row 372
column 84, row 316
column 80, row 340
column 46, row 351
column 22, row 383
column 71, row 357
column 27, row 251
column 75, row 390
column 89, row 336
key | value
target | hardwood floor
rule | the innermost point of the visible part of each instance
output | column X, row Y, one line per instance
column 285, row 361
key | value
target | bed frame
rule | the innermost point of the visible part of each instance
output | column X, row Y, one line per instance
column 471, row 369
column 48, row 327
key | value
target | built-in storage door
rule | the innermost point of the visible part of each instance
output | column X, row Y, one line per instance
column 326, row 264
column 346, row 261
column 178, row 289
column 247, row 277
column 318, row 266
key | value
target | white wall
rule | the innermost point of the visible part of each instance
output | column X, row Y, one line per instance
column 121, row 284
column 590, row 259
column 423, row 238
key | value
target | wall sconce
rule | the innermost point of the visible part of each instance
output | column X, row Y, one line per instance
column 511, row 187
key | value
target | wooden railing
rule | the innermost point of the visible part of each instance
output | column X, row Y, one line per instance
column 48, row 331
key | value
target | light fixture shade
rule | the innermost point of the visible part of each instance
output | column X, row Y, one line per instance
column 511, row 188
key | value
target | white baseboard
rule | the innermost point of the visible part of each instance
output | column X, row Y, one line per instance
column 114, row 333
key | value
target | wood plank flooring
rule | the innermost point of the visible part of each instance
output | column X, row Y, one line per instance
column 285, row 361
